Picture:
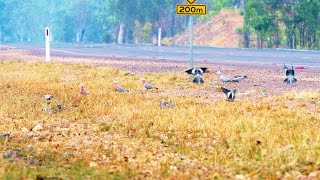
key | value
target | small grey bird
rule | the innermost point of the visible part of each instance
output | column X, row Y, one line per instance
column 148, row 85
column 48, row 96
column 290, row 75
column 5, row 135
column 231, row 94
column 163, row 103
column 197, row 72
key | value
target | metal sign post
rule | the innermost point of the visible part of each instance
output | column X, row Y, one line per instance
column 47, row 35
column 191, row 41
column 191, row 9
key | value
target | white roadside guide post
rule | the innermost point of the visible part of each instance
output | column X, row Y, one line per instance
column 191, row 9
column 47, row 34
column 159, row 37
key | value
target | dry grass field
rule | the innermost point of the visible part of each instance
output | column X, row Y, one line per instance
column 111, row 135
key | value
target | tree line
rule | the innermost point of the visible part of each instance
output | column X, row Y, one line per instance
column 292, row 24
column 267, row 23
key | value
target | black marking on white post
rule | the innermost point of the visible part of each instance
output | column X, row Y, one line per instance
column 47, row 35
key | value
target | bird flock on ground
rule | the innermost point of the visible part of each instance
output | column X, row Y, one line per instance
column 196, row 72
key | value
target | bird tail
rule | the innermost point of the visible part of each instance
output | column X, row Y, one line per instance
column 290, row 80
column 198, row 80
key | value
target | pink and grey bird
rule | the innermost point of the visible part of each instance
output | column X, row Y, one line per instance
column 83, row 90
column 225, row 79
column 147, row 85
column 119, row 88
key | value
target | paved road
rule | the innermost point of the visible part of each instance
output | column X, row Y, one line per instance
column 181, row 53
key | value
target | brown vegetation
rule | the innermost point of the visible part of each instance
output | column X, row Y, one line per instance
column 220, row 31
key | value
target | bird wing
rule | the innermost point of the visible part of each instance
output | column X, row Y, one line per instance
column 292, row 71
column 238, row 78
column 226, row 91
column 204, row 69
column 190, row 71
column 287, row 71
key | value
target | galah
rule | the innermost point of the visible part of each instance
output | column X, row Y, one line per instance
column 83, row 90
column 119, row 88
column 290, row 75
column 197, row 72
column 225, row 79
column 147, row 85
column 231, row 94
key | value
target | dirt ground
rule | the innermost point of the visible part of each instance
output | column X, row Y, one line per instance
column 124, row 139
column 262, row 80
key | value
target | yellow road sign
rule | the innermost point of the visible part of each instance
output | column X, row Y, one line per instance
column 198, row 9
column 191, row 1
